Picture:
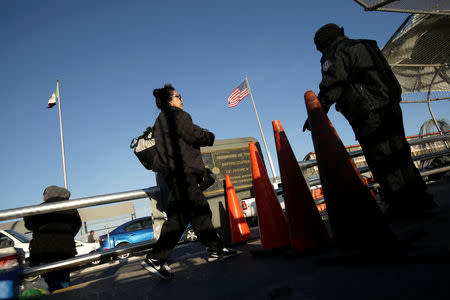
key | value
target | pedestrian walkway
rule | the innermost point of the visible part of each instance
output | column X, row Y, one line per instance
column 421, row 273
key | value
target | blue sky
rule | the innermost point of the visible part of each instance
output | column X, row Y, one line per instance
column 110, row 55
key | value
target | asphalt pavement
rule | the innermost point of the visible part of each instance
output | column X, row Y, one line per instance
column 420, row 272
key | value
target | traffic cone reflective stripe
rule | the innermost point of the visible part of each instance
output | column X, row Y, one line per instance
column 273, row 226
column 354, row 215
column 306, row 228
column 239, row 229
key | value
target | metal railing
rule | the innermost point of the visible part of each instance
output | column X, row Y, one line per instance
column 375, row 185
column 77, row 203
column 443, row 138
column 312, row 163
column 424, row 173
column 87, row 258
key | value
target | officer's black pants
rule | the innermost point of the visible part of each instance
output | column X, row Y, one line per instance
column 186, row 204
column 382, row 138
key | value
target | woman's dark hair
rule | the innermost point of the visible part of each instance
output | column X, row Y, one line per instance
column 163, row 96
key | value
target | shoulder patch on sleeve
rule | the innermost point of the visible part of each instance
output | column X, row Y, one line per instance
column 326, row 65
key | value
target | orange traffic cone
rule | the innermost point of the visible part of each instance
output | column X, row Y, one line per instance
column 306, row 228
column 355, row 218
column 239, row 230
column 273, row 226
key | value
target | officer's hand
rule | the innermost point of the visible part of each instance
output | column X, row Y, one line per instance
column 306, row 125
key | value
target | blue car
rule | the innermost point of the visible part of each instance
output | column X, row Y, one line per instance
column 135, row 231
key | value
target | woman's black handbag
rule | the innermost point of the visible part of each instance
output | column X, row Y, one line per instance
column 145, row 148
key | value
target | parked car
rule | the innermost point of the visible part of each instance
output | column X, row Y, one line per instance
column 85, row 248
column 11, row 238
column 135, row 231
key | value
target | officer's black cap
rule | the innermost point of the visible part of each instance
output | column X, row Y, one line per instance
column 327, row 35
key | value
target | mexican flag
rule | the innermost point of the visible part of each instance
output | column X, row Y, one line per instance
column 53, row 98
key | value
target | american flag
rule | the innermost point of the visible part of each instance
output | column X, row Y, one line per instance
column 238, row 94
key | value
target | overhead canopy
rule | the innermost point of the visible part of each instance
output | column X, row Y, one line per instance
column 409, row 6
column 419, row 53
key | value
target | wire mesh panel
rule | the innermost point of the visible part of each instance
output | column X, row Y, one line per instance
column 419, row 55
column 411, row 6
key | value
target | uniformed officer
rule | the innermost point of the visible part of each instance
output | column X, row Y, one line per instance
column 357, row 77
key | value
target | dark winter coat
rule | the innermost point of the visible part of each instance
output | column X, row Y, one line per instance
column 53, row 234
column 178, row 142
column 357, row 77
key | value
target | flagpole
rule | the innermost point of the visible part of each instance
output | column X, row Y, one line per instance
column 262, row 134
column 62, row 135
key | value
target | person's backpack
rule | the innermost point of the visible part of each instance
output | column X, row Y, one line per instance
column 145, row 148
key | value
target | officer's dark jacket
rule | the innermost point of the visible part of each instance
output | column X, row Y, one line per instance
column 357, row 77
column 178, row 142
column 53, row 235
